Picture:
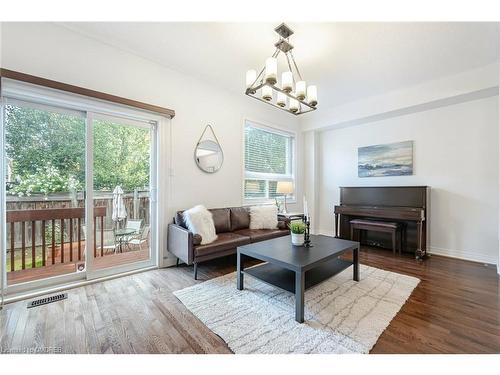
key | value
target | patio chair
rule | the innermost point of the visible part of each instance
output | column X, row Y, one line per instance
column 134, row 225
column 142, row 238
column 109, row 239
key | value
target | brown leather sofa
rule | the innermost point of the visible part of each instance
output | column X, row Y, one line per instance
column 232, row 228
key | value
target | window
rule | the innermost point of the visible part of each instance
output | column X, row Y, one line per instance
column 269, row 158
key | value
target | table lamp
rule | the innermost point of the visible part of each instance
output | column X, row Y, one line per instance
column 285, row 188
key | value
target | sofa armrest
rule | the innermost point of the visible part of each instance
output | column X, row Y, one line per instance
column 180, row 243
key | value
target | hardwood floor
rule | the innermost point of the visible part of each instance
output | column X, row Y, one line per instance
column 455, row 309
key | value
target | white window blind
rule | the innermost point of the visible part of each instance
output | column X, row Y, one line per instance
column 269, row 158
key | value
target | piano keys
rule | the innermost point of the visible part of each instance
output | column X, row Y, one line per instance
column 408, row 205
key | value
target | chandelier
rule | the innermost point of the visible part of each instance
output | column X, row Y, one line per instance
column 291, row 94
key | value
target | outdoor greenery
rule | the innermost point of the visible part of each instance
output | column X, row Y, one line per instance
column 46, row 152
column 18, row 265
column 266, row 152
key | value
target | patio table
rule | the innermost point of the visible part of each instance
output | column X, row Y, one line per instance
column 121, row 234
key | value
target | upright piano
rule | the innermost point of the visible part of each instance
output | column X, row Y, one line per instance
column 407, row 205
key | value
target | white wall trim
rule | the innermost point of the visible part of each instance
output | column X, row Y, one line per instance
column 464, row 255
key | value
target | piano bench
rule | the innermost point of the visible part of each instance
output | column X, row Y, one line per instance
column 380, row 226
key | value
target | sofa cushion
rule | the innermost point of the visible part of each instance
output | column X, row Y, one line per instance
column 225, row 241
column 222, row 219
column 240, row 218
column 257, row 235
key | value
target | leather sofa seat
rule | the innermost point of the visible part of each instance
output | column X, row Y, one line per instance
column 232, row 228
column 257, row 235
column 224, row 241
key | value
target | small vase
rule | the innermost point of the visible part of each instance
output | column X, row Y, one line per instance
column 297, row 239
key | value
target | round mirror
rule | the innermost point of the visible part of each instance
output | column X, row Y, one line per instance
column 208, row 156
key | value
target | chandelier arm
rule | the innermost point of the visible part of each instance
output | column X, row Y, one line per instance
column 296, row 67
column 290, row 67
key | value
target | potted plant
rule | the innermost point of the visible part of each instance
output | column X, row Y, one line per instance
column 297, row 229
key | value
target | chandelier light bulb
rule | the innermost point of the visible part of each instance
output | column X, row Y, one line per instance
column 294, row 105
column 300, row 90
column 281, row 101
column 251, row 77
column 312, row 95
column 271, row 71
column 267, row 93
column 287, row 81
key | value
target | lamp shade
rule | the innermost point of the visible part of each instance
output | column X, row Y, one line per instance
column 271, row 70
column 251, row 77
column 281, row 101
column 284, row 187
column 300, row 90
column 287, row 81
column 312, row 95
column 293, row 105
column 267, row 93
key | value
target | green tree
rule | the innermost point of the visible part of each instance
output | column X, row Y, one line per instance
column 265, row 152
column 121, row 156
column 36, row 138
column 47, row 152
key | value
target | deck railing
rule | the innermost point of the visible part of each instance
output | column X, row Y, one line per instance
column 69, row 232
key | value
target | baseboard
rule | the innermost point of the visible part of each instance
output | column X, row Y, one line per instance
column 465, row 255
column 168, row 261
column 324, row 232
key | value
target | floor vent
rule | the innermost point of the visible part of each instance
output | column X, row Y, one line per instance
column 44, row 301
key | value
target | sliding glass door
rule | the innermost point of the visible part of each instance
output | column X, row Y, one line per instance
column 44, row 158
column 79, row 191
column 123, row 192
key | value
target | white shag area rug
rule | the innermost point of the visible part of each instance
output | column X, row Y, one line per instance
column 341, row 315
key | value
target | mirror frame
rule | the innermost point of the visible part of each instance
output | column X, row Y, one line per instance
column 200, row 140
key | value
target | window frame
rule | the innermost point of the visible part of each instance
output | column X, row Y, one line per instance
column 276, row 129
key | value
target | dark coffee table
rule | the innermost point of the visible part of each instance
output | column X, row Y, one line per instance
column 297, row 268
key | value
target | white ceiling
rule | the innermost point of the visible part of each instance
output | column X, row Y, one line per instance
column 347, row 61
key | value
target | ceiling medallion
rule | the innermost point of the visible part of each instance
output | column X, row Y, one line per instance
column 291, row 94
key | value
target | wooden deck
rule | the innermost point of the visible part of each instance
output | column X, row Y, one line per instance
column 108, row 260
column 454, row 309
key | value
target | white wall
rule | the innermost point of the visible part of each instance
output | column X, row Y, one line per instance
column 455, row 152
column 54, row 52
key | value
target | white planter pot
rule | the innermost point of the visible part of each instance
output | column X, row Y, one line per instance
column 297, row 239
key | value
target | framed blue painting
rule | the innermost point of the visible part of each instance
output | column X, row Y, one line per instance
column 391, row 159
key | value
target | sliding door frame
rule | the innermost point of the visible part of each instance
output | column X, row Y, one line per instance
column 91, row 271
column 3, row 227
column 46, row 96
